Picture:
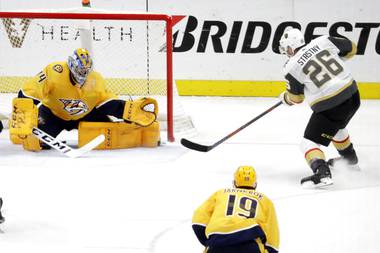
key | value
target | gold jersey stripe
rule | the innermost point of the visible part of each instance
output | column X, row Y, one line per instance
column 333, row 94
column 352, row 52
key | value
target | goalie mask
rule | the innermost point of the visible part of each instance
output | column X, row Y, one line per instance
column 290, row 41
column 245, row 177
column 80, row 65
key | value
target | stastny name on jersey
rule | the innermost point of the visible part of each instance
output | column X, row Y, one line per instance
column 308, row 54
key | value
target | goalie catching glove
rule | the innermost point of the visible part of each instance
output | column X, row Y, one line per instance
column 142, row 111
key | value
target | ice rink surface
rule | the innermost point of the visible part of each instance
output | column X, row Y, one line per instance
column 142, row 200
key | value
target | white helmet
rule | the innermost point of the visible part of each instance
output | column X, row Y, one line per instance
column 292, row 38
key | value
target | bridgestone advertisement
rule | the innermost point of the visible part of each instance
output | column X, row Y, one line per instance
column 237, row 41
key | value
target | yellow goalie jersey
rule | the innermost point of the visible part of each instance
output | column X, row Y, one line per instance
column 236, row 215
column 53, row 87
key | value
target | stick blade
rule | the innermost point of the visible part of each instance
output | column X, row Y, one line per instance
column 87, row 148
column 195, row 146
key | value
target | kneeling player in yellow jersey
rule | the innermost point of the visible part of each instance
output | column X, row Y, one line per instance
column 70, row 95
column 239, row 219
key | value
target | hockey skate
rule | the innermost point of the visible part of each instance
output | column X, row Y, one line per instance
column 1, row 216
column 321, row 177
column 341, row 162
column 347, row 159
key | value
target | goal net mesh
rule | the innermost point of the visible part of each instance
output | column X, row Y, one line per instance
column 129, row 50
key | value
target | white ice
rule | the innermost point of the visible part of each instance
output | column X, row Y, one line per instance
column 141, row 200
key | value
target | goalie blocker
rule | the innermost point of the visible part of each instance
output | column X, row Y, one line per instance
column 24, row 119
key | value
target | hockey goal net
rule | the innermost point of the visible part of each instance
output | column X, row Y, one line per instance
column 133, row 52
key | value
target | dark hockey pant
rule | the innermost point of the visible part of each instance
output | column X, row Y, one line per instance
column 248, row 247
column 323, row 126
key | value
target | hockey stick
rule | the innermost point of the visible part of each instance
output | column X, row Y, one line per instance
column 65, row 149
column 205, row 148
column 59, row 145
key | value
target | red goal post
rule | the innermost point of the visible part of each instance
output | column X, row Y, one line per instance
column 10, row 83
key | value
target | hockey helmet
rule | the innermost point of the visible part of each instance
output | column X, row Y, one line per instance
column 80, row 65
column 245, row 176
column 291, row 38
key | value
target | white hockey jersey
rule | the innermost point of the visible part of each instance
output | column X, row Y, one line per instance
column 318, row 72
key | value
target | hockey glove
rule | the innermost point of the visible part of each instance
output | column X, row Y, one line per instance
column 24, row 118
column 142, row 111
column 284, row 97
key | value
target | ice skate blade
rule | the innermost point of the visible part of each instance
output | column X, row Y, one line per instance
column 324, row 183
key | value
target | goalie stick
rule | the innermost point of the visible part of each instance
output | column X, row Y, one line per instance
column 205, row 148
column 59, row 145
column 65, row 149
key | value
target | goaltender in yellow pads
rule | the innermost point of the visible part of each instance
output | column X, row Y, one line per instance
column 70, row 95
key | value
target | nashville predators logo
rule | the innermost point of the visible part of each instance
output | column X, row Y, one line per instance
column 74, row 106
column 58, row 68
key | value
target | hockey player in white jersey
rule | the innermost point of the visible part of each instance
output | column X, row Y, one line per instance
column 316, row 72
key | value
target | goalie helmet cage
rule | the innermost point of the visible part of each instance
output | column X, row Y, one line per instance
column 133, row 51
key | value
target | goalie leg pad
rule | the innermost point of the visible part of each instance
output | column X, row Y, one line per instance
column 119, row 135
column 24, row 118
column 15, row 139
column 151, row 135
column 142, row 111
column 31, row 143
